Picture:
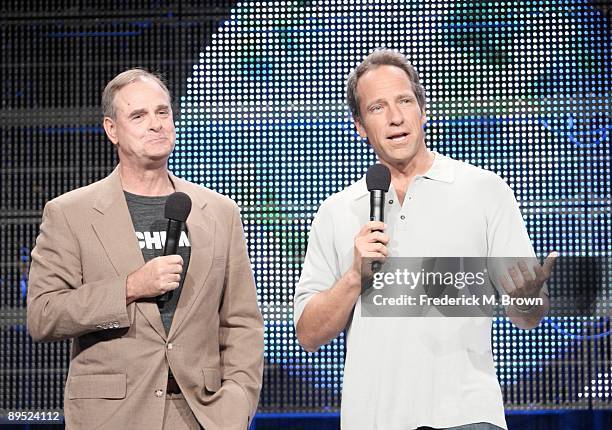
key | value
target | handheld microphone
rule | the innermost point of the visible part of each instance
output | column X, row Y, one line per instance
column 178, row 206
column 378, row 179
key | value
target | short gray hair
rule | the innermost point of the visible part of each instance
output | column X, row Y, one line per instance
column 382, row 57
column 120, row 81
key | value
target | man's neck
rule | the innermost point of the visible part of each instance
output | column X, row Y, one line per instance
column 146, row 182
column 402, row 175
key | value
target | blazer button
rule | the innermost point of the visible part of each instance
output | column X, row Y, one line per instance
column 159, row 393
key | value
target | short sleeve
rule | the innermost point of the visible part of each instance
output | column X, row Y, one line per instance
column 321, row 267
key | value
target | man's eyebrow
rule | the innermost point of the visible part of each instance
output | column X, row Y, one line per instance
column 373, row 102
column 137, row 112
column 398, row 97
column 144, row 111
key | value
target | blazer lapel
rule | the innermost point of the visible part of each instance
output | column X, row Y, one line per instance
column 201, row 233
column 116, row 232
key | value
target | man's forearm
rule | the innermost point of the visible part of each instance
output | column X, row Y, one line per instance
column 62, row 313
column 530, row 318
column 328, row 312
column 130, row 291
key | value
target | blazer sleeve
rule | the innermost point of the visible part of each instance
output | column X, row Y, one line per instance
column 59, row 305
column 241, row 330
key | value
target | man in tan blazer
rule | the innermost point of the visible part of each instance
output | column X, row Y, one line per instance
column 136, row 364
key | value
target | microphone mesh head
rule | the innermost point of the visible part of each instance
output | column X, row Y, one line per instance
column 378, row 178
column 178, row 206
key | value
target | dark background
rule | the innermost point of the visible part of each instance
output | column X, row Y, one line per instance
column 57, row 56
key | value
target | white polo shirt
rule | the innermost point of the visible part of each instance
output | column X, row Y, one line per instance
column 402, row 373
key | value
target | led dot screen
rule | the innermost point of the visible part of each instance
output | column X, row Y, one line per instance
column 519, row 88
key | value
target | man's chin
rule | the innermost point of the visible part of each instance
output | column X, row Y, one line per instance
column 161, row 154
column 400, row 157
column 156, row 161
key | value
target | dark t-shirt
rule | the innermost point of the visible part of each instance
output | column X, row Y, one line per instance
column 150, row 226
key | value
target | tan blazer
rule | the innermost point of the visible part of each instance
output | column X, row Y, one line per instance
column 120, row 354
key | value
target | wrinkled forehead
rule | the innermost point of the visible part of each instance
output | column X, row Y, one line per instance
column 142, row 93
column 383, row 82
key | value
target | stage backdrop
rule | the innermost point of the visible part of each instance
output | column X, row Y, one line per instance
column 522, row 89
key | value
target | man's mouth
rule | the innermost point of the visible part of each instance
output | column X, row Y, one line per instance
column 398, row 137
column 158, row 139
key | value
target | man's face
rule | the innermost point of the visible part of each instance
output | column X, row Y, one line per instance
column 143, row 129
column 390, row 116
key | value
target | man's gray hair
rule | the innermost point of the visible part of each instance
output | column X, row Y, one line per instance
column 382, row 57
column 120, row 81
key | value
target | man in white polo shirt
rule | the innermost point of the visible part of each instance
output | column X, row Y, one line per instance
column 406, row 373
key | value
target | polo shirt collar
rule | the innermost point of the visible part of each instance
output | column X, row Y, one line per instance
column 442, row 170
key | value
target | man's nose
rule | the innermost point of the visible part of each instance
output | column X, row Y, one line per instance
column 395, row 115
column 155, row 123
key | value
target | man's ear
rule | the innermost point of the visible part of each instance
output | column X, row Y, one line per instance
column 110, row 129
column 360, row 129
column 424, row 118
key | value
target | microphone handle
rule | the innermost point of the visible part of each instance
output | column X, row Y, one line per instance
column 173, row 236
column 377, row 205
column 377, row 213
